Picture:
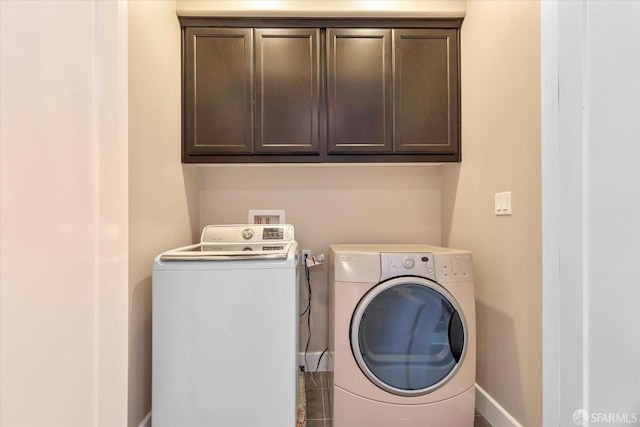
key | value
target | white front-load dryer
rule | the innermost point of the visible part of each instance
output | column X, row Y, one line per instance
column 402, row 336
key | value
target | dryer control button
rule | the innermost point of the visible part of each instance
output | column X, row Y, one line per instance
column 247, row 233
column 408, row 262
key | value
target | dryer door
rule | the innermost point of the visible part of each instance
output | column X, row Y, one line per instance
column 408, row 335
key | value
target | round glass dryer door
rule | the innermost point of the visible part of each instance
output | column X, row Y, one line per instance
column 408, row 336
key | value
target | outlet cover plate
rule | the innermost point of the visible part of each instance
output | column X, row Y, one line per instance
column 266, row 216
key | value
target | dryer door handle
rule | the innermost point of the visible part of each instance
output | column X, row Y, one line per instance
column 456, row 336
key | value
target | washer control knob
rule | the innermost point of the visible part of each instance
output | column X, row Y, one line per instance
column 408, row 262
column 247, row 233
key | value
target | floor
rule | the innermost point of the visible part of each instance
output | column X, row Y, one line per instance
column 318, row 411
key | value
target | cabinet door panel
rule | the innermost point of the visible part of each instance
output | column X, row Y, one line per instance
column 218, row 100
column 359, row 90
column 426, row 91
column 287, row 90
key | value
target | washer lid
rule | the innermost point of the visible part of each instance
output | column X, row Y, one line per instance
column 229, row 251
column 237, row 242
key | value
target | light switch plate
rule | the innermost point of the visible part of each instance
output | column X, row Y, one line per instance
column 503, row 203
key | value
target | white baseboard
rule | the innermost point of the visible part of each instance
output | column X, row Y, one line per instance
column 312, row 361
column 146, row 422
column 491, row 410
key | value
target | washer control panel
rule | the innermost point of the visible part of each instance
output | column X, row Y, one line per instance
column 247, row 233
column 403, row 264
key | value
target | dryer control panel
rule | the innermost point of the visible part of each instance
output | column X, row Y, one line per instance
column 402, row 264
column 452, row 268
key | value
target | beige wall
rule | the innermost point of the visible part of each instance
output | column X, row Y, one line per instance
column 63, row 214
column 501, row 152
column 329, row 204
column 163, row 195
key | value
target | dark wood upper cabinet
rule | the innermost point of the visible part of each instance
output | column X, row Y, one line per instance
column 359, row 90
column 320, row 90
column 218, row 91
column 426, row 109
column 287, row 91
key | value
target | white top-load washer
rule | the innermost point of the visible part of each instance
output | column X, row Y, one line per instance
column 225, row 316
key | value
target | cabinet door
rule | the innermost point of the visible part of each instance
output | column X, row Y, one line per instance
column 217, row 91
column 359, row 90
column 287, row 91
column 426, row 104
